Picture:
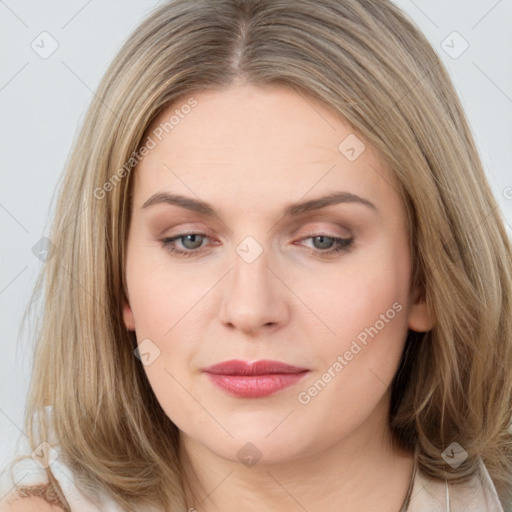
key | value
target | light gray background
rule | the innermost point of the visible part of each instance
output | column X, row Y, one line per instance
column 43, row 101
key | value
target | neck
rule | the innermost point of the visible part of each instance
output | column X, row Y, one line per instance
column 363, row 471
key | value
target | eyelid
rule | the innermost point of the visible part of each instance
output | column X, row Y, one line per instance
column 318, row 230
column 302, row 230
column 185, row 228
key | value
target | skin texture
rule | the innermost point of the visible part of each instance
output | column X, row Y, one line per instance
column 14, row 503
column 250, row 152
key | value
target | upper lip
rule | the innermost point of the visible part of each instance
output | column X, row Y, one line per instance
column 263, row 367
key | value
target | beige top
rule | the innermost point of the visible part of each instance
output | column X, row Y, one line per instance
column 428, row 495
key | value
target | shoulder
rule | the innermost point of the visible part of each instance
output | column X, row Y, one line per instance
column 477, row 494
column 16, row 503
column 33, row 499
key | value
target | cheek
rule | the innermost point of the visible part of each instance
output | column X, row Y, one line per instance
column 163, row 307
column 363, row 309
column 357, row 361
column 355, row 294
column 161, row 299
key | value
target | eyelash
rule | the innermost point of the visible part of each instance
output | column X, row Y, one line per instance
column 341, row 245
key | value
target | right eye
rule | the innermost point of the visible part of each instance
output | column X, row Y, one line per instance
column 191, row 239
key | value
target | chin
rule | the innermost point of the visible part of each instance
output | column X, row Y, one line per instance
column 256, row 448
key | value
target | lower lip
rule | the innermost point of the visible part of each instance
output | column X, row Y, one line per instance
column 255, row 386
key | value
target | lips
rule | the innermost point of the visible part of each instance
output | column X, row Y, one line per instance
column 254, row 380
column 263, row 367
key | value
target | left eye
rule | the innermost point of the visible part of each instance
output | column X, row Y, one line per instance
column 193, row 241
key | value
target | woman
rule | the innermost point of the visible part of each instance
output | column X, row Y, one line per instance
column 280, row 280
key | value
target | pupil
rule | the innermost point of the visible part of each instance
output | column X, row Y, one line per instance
column 193, row 239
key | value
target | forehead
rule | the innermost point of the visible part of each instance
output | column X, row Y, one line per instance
column 274, row 118
column 247, row 141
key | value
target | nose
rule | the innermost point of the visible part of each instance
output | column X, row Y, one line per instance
column 255, row 300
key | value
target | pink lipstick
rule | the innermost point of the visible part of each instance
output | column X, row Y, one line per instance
column 254, row 380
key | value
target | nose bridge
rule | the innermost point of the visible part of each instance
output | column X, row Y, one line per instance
column 251, row 263
column 254, row 296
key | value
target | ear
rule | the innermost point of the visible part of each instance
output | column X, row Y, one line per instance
column 128, row 317
column 420, row 318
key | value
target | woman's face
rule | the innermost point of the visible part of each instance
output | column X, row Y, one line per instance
column 263, row 278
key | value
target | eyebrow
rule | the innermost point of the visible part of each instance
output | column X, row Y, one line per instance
column 290, row 211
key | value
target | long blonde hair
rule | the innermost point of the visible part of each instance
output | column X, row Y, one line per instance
column 364, row 60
